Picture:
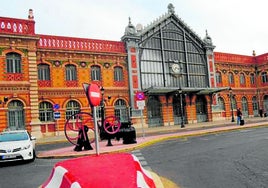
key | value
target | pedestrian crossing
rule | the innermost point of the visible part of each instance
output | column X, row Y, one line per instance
column 142, row 160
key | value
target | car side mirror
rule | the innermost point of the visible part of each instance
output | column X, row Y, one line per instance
column 33, row 138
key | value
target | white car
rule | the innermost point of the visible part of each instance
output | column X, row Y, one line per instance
column 16, row 145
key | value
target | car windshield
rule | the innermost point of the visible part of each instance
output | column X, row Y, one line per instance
column 16, row 136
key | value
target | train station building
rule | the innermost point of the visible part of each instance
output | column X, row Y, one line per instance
column 183, row 80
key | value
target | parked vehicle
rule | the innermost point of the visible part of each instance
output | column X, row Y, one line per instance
column 16, row 145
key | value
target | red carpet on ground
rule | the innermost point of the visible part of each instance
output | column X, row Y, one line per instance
column 110, row 171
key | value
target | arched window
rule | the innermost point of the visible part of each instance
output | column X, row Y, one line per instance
column 244, row 106
column 95, row 73
column 231, row 78
column 118, row 73
column 70, row 72
column 233, row 103
column 13, row 63
column 255, row 106
column 45, row 111
column 252, row 79
column 265, row 103
column 221, row 104
column 218, row 78
column 72, row 107
column 242, row 79
column 43, row 72
column 264, row 77
column 121, row 110
column 16, row 115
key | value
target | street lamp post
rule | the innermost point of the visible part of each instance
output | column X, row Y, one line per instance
column 231, row 103
column 177, row 71
column 102, row 106
column 182, row 111
column 109, row 143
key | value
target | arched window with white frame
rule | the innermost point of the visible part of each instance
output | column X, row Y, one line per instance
column 13, row 63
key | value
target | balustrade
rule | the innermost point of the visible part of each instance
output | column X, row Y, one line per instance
column 225, row 57
column 17, row 26
column 69, row 43
column 27, row 27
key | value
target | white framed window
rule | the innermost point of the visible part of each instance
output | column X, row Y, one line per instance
column 95, row 72
column 45, row 111
column 231, row 78
column 118, row 73
column 13, row 63
column 218, row 78
column 242, row 79
column 43, row 72
column 72, row 107
column 70, row 72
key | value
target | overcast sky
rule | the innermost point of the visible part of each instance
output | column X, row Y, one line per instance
column 235, row 26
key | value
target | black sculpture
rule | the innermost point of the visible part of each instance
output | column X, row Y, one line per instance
column 83, row 140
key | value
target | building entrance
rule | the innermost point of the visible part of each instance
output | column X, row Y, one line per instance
column 177, row 110
column 201, row 109
column 154, row 112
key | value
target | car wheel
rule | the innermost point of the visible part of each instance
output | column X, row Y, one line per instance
column 34, row 156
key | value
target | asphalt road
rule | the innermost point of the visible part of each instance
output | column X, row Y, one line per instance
column 25, row 174
column 235, row 159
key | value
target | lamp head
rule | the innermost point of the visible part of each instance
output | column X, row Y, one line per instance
column 102, row 90
column 5, row 99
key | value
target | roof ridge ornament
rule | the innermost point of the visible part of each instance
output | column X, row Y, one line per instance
column 130, row 29
column 171, row 8
column 207, row 38
column 30, row 14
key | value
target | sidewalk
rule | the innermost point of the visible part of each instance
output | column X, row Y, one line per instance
column 148, row 136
